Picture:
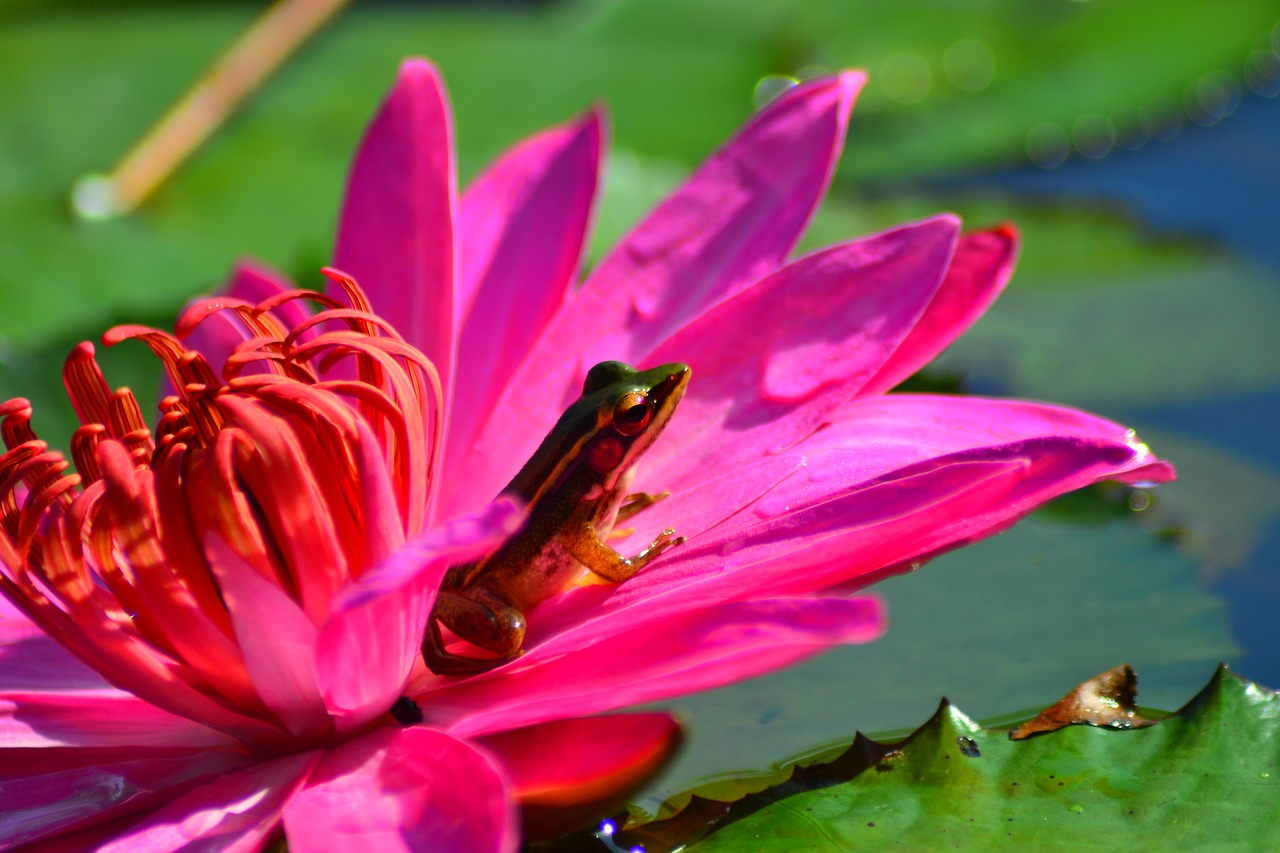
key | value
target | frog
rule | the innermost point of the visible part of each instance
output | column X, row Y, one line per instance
column 575, row 489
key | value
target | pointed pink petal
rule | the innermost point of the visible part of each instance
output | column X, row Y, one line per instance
column 523, row 225
column 407, row 789
column 59, row 796
column 607, row 664
column 897, row 479
column 96, row 718
column 751, row 400
column 276, row 639
column 735, row 219
column 396, row 232
column 760, row 358
column 367, row 648
column 569, row 774
column 980, row 268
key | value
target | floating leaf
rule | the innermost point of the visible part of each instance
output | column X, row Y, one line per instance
column 1000, row 626
column 1205, row 777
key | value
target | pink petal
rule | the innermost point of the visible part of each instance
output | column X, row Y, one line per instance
column 396, row 232
column 61, row 795
column 132, row 664
column 761, row 357
column 849, row 334
column 568, row 774
column 980, row 268
column 276, row 639
column 407, row 789
column 739, row 408
column 367, row 648
column 894, row 479
column 35, row 661
column 736, row 218
column 607, row 664
column 96, row 718
column 523, row 226
column 14, row 624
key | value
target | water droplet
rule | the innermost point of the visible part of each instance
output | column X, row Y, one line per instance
column 823, row 473
column 771, row 507
column 732, row 545
column 1075, row 808
column 968, row 747
column 969, row 64
column 608, row 827
column 770, row 87
column 1139, row 500
column 1048, row 146
column 906, row 78
column 1264, row 775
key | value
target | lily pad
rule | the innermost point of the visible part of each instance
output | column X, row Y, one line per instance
column 1000, row 626
column 1206, row 777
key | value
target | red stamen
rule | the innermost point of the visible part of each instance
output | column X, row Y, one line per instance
column 87, row 388
column 84, row 443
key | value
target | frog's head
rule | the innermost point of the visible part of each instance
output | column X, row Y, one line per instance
column 632, row 407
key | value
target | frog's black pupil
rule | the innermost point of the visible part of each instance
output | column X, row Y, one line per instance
column 635, row 414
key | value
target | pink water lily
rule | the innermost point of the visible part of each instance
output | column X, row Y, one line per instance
column 215, row 619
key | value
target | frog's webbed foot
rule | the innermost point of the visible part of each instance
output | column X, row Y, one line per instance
column 638, row 502
column 480, row 618
column 667, row 539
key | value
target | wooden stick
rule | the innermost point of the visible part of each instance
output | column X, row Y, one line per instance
column 235, row 75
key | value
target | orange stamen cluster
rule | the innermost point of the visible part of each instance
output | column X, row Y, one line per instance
column 309, row 458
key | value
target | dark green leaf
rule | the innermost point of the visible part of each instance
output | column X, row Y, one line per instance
column 1203, row 778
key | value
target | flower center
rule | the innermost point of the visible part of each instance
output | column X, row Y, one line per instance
column 306, row 463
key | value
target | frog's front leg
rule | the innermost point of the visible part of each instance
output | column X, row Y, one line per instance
column 581, row 541
column 638, row 502
column 481, row 618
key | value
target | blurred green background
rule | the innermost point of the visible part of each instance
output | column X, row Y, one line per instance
column 1132, row 141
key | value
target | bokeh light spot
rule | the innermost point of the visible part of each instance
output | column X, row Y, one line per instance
column 969, row 64
column 1048, row 146
column 906, row 78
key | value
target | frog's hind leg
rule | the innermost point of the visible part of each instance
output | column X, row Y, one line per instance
column 480, row 618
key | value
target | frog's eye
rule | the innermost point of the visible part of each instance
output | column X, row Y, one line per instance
column 632, row 413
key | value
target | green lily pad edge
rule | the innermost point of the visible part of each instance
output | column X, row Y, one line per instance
column 1204, row 777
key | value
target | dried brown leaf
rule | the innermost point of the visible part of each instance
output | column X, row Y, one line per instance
column 1105, row 700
